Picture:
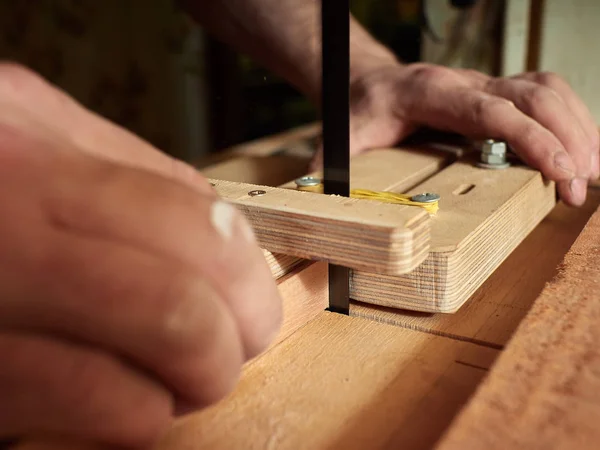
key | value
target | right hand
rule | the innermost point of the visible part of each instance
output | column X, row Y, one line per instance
column 127, row 288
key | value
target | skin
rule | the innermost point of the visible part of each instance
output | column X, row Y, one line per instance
column 129, row 293
column 537, row 114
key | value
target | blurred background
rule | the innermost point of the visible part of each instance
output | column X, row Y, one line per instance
column 145, row 65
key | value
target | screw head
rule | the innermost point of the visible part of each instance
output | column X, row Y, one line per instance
column 307, row 181
column 257, row 193
column 427, row 197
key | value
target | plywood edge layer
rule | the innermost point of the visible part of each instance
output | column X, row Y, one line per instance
column 446, row 280
column 359, row 234
column 544, row 391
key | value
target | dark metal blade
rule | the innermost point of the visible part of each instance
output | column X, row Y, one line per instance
column 335, row 104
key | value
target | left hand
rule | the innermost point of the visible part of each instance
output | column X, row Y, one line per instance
column 537, row 114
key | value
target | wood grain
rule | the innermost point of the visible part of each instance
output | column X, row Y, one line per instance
column 544, row 392
column 484, row 215
column 492, row 314
column 341, row 382
column 355, row 233
column 304, row 293
column 470, row 237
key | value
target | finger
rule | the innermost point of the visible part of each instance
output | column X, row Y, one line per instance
column 45, row 108
column 154, row 312
column 169, row 220
column 547, row 107
column 577, row 107
column 480, row 115
column 575, row 190
column 60, row 388
column 145, row 283
column 115, row 203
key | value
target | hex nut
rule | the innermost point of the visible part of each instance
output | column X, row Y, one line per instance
column 492, row 158
column 491, row 147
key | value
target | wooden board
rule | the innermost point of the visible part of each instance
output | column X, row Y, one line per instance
column 341, row 382
column 404, row 391
column 304, row 293
column 355, row 233
column 490, row 318
column 470, row 237
column 544, row 392
column 492, row 314
column 484, row 215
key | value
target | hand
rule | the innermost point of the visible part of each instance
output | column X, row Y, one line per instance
column 537, row 114
column 127, row 288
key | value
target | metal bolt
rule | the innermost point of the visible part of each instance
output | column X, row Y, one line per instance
column 307, row 181
column 493, row 155
column 493, row 159
column 491, row 147
column 427, row 197
column 256, row 193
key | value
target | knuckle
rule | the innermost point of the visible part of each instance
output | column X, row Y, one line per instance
column 428, row 73
column 549, row 79
column 178, row 301
column 15, row 77
column 202, row 340
column 538, row 97
column 488, row 108
column 531, row 136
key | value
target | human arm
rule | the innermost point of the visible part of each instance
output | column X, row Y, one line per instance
column 538, row 114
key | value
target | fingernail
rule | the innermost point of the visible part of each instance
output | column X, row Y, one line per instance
column 564, row 162
column 578, row 187
column 222, row 215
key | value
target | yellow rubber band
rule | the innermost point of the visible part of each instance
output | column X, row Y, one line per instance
column 381, row 196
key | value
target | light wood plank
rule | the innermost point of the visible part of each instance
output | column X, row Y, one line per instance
column 381, row 169
column 484, row 215
column 392, row 169
column 355, row 233
column 544, row 392
column 305, row 294
column 341, row 382
column 470, row 237
column 493, row 313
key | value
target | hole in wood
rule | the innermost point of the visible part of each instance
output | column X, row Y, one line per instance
column 463, row 189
